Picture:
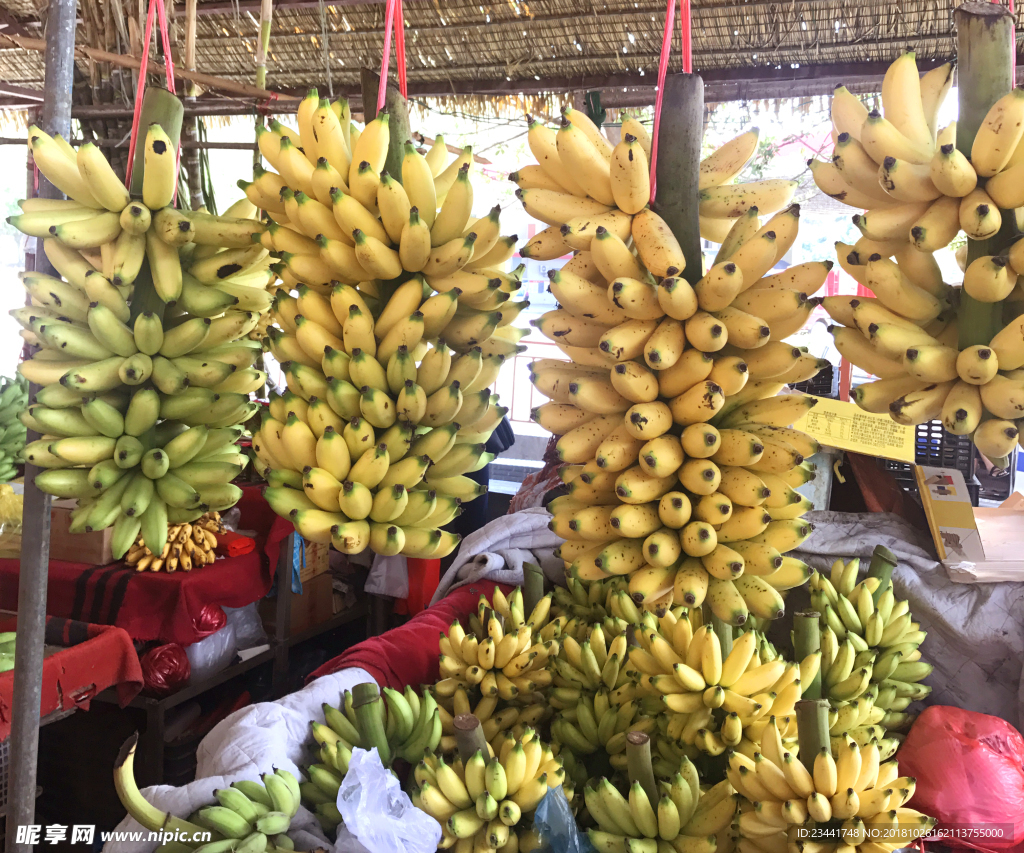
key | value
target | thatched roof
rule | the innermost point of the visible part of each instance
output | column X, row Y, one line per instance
column 745, row 50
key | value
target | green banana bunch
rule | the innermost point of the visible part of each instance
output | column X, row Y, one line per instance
column 400, row 725
column 248, row 816
column 153, row 474
column 13, row 399
column 588, row 603
column 869, row 639
column 141, row 334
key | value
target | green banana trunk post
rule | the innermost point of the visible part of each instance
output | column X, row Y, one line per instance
column 158, row 107
column 680, row 133
column 985, row 54
column 807, row 641
column 812, row 730
column 639, row 766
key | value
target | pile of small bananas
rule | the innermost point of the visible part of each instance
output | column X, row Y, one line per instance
column 486, row 803
column 13, row 400
column 188, row 546
column 919, row 191
column 248, row 816
column 399, row 725
column 708, row 514
column 679, row 665
column 870, row 650
column 142, row 352
column 398, row 326
column 678, row 817
column 854, row 799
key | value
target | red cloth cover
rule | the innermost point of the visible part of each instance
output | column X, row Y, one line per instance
column 970, row 775
column 166, row 669
column 409, row 653
column 96, row 657
column 148, row 605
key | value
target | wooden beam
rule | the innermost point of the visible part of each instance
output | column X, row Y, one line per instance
column 21, row 92
column 155, row 67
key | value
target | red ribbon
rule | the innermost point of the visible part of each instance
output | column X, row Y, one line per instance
column 155, row 7
column 393, row 20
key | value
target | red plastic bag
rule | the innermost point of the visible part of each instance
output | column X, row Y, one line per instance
column 210, row 620
column 165, row 669
column 970, row 775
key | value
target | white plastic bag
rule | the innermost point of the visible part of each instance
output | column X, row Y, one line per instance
column 378, row 814
column 211, row 654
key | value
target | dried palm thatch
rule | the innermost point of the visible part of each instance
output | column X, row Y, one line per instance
column 470, row 52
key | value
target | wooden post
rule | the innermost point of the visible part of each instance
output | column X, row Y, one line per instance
column 680, row 133
column 397, row 109
column 985, row 55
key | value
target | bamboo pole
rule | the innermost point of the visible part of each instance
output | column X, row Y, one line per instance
column 207, row 81
column 985, row 56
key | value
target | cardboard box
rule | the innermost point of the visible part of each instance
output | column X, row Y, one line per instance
column 317, row 561
column 91, row 548
column 314, row 606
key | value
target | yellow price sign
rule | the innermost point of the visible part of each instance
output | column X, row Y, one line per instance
column 845, row 426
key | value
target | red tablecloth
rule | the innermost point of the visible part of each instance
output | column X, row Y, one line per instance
column 96, row 657
column 148, row 605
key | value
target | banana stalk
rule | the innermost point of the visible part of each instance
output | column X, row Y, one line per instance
column 639, row 766
column 365, row 701
column 807, row 641
column 985, row 53
column 158, row 107
column 469, row 736
column 812, row 730
column 883, row 562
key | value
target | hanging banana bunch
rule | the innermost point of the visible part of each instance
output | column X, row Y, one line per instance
column 918, row 192
column 857, row 791
column 683, row 467
column 391, row 322
column 145, row 368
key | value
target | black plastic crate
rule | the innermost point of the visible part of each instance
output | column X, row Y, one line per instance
column 824, row 384
column 940, row 449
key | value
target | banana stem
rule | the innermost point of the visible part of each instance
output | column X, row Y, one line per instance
column 365, row 703
column 469, row 737
column 639, row 766
column 812, row 730
column 158, row 107
column 724, row 631
column 883, row 562
column 985, row 55
column 533, row 586
column 680, row 132
column 397, row 108
column 807, row 641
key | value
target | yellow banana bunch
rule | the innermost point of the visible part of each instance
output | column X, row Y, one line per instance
column 682, row 676
column 648, row 354
column 392, row 319
column 851, row 785
column 486, row 803
column 497, row 660
column 675, row 814
column 144, row 361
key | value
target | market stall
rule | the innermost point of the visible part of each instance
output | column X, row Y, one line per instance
column 675, row 642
